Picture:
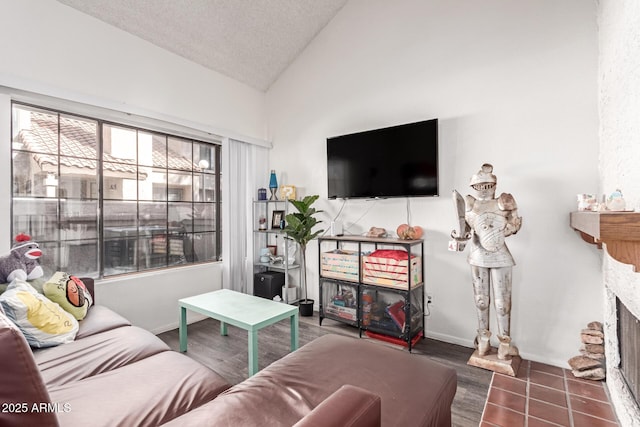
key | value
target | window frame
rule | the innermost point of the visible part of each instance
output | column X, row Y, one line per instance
column 213, row 172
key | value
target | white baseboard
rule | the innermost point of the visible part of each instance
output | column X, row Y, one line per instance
column 191, row 318
column 450, row 339
column 525, row 355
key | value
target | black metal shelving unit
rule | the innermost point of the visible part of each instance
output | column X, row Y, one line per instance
column 374, row 307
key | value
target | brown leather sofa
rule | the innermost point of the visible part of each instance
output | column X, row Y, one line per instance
column 300, row 387
column 119, row 375
column 112, row 374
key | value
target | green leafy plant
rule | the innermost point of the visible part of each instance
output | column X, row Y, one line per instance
column 299, row 228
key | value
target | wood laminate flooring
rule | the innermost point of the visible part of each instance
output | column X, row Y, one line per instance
column 227, row 355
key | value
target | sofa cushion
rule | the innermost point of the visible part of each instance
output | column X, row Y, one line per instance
column 43, row 322
column 69, row 292
column 414, row 390
column 145, row 393
column 21, row 381
column 96, row 354
column 100, row 319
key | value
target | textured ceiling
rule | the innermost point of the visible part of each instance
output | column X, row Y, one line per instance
column 252, row 41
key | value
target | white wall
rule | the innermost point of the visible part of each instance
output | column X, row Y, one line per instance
column 52, row 47
column 513, row 84
column 151, row 299
column 54, row 50
column 619, row 37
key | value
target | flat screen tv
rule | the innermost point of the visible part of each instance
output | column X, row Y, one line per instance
column 397, row 161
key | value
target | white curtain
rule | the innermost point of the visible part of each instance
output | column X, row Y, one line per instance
column 245, row 168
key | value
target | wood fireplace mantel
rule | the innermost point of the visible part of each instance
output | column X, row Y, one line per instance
column 619, row 231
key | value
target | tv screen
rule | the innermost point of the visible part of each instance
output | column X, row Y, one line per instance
column 397, row 161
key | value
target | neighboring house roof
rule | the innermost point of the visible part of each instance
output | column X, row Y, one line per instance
column 78, row 147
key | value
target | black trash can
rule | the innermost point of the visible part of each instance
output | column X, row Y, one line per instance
column 268, row 284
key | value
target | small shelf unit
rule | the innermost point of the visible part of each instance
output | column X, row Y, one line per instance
column 272, row 237
column 348, row 295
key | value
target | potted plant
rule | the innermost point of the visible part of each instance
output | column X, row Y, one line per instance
column 299, row 227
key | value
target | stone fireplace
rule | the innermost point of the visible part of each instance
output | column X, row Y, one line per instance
column 622, row 287
column 618, row 234
column 619, row 108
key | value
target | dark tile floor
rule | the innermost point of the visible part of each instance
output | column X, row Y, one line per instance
column 544, row 395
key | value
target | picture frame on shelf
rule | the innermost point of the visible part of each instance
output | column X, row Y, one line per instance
column 277, row 218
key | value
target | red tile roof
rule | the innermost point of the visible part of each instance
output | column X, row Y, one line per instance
column 78, row 146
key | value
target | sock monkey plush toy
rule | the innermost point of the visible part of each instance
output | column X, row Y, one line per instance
column 22, row 261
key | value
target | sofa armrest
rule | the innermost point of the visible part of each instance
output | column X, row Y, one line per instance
column 21, row 386
column 349, row 406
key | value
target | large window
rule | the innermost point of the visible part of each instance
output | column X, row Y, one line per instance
column 104, row 199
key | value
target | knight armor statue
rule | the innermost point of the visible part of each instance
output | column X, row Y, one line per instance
column 486, row 221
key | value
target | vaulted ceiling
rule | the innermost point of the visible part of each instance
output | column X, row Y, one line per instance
column 252, row 41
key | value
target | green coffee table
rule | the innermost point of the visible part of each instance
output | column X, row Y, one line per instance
column 244, row 311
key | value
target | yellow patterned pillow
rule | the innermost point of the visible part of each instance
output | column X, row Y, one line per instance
column 43, row 322
column 69, row 292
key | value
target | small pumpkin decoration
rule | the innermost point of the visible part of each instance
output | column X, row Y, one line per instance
column 409, row 232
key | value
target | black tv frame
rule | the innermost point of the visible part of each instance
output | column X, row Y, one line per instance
column 385, row 141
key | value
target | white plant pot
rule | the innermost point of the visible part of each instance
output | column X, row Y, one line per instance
column 289, row 294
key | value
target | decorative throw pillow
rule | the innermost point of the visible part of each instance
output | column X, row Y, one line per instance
column 43, row 322
column 36, row 283
column 69, row 292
